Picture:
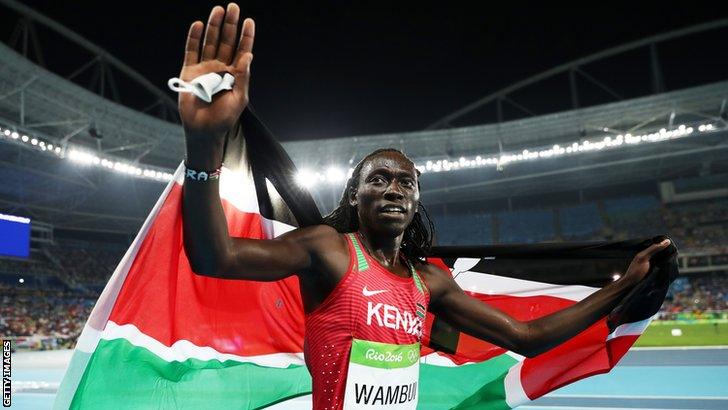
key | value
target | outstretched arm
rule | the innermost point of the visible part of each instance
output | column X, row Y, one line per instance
column 534, row 337
column 209, row 247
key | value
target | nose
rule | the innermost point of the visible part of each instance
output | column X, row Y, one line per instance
column 394, row 191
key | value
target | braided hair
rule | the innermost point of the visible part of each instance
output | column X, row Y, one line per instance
column 417, row 239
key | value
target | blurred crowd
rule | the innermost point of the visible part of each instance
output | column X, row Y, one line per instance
column 698, row 297
column 699, row 228
column 696, row 227
column 42, row 319
column 32, row 266
column 87, row 265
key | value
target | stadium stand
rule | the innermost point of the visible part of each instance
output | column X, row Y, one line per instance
column 35, row 272
column 699, row 297
column 42, row 319
column 699, row 225
column 464, row 228
column 62, row 281
column 580, row 222
column 633, row 216
column 88, row 264
column 526, row 226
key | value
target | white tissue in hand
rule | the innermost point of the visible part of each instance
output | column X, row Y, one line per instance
column 204, row 86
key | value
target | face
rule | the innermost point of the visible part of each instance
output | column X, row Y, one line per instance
column 388, row 194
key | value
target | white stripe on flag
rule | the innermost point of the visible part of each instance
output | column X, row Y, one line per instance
column 500, row 285
column 515, row 395
column 635, row 328
column 182, row 350
column 88, row 340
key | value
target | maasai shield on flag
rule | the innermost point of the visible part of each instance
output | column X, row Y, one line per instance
column 161, row 336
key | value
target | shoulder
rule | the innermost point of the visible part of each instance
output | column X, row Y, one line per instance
column 438, row 281
column 430, row 269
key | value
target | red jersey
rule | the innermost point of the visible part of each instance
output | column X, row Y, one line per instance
column 371, row 318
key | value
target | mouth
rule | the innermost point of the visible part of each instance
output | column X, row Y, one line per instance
column 392, row 210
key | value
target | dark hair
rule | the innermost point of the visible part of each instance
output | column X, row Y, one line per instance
column 417, row 238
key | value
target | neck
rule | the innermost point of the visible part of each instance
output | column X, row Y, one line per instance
column 384, row 248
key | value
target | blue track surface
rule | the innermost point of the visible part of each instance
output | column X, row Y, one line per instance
column 650, row 379
column 645, row 379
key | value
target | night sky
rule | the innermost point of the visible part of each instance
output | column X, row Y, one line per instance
column 334, row 69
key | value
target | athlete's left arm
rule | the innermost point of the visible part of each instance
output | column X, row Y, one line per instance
column 529, row 338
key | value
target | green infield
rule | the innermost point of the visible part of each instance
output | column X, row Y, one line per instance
column 671, row 333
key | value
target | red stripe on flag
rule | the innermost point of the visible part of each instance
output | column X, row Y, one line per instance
column 619, row 345
column 579, row 357
column 523, row 308
column 167, row 301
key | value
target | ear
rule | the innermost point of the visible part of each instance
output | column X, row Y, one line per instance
column 352, row 197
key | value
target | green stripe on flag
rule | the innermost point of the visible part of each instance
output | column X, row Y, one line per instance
column 120, row 375
column 470, row 386
column 124, row 376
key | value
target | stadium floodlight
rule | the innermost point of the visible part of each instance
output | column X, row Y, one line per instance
column 85, row 157
column 306, row 178
column 532, row 154
column 576, row 147
column 334, row 175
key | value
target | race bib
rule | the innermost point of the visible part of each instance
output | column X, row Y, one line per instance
column 382, row 375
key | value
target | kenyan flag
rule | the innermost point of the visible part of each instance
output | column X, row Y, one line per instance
column 161, row 336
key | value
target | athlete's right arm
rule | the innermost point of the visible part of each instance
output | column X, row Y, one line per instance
column 212, row 252
column 209, row 247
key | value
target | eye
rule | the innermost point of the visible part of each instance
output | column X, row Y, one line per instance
column 408, row 183
column 377, row 180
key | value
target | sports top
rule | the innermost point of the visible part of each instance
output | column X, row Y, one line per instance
column 373, row 319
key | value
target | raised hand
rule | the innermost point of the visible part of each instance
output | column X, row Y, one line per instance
column 640, row 265
column 219, row 53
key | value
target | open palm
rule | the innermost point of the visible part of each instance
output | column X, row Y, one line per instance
column 219, row 53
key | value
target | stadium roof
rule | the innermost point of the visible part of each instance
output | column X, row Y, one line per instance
column 47, row 107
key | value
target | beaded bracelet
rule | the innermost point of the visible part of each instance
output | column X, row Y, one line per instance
column 202, row 176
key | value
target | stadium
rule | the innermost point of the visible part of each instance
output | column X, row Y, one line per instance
column 82, row 170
